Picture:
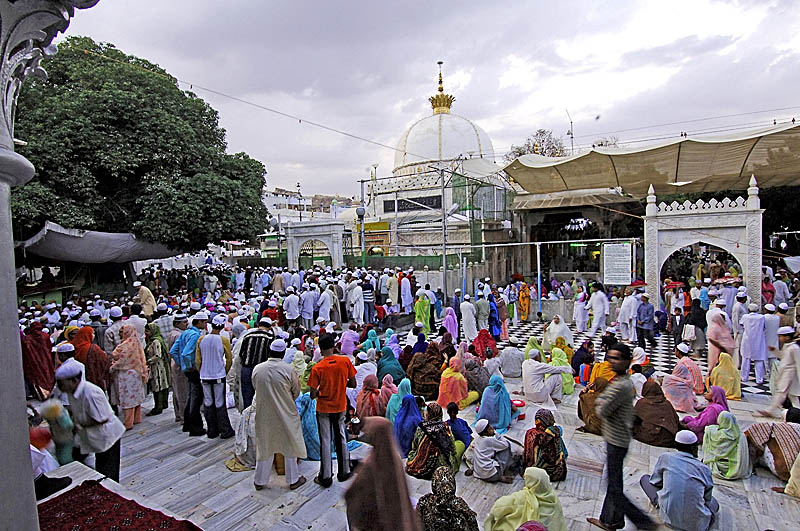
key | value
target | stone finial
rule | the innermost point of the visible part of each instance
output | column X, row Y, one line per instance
column 753, row 201
column 651, row 209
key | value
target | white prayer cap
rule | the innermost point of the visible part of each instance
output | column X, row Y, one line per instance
column 265, row 321
column 137, row 284
column 487, row 279
column 97, row 296
column 116, row 311
column 458, row 290
column 179, row 317
column 279, row 345
column 69, row 369
column 320, row 319
column 769, row 307
column 645, row 294
column 685, row 437
column 706, row 280
column 611, row 329
column 290, row 289
column 783, row 306
column 50, row 306
column 200, row 316
column 752, row 307
column 305, row 285
column 219, row 320
column 240, row 311
column 683, row 347
column 94, row 313
column 362, row 356
column 742, row 289
column 272, row 304
column 466, row 297
column 721, row 302
column 330, row 327
column 419, row 324
column 162, row 307
column 65, row 347
column 786, row 331
column 512, row 341
column 283, row 334
column 481, row 425
column 741, row 295
column 296, row 341
column 195, row 305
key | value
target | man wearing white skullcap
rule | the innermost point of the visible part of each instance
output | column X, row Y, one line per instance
column 754, row 346
column 787, row 379
column 99, row 430
column 681, row 486
column 214, row 360
column 772, row 321
column 492, row 454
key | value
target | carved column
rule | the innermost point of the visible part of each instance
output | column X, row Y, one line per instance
column 752, row 267
column 27, row 28
column 651, row 246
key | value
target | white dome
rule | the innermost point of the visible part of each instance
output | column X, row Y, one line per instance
column 438, row 137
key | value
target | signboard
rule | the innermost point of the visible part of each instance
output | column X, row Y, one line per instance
column 617, row 263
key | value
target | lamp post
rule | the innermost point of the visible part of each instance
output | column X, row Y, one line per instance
column 360, row 211
column 275, row 223
column 299, row 200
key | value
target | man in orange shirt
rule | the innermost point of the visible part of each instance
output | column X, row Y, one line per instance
column 328, row 382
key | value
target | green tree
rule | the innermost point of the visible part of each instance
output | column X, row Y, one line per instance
column 115, row 143
column 542, row 142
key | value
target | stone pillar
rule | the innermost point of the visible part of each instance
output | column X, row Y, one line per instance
column 29, row 27
column 751, row 273
column 651, row 246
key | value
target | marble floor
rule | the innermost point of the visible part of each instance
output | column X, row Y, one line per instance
column 188, row 477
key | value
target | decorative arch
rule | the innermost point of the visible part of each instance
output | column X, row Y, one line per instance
column 328, row 232
column 733, row 225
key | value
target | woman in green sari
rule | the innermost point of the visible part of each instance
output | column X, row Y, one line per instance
column 533, row 345
column 422, row 313
column 396, row 399
column 725, row 449
column 558, row 358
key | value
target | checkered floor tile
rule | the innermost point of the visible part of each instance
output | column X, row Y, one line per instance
column 662, row 357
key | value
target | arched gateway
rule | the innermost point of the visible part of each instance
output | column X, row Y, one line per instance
column 731, row 224
column 329, row 232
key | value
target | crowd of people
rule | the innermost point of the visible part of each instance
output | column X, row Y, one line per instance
column 299, row 354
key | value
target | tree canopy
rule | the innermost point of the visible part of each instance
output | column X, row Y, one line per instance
column 119, row 147
column 542, row 142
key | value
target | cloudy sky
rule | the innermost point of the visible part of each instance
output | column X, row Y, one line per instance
column 367, row 68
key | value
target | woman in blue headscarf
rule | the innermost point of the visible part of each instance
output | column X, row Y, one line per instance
column 495, row 326
column 393, row 342
column 496, row 405
column 396, row 400
column 308, row 420
column 372, row 341
column 388, row 364
column 406, row 423
column 421, row 345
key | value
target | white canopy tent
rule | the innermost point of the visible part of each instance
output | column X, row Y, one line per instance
column 686, row 165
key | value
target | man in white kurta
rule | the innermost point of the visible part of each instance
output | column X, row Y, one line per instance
column 754, row 345
column 787, row 379
column 772, row 321
column 324, row 304
column 393, row 288
column 278, row 428
column 469, row 322
column 626, row 317
column 540, row 389
column 406, row 296
column 598, row 303
column 357, row 298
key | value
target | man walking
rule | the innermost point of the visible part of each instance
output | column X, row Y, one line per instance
column 615, row 407
column 598, row 303
column 787, row 379
column 644, row 322
column 277, row 423
column 754, row 345
column 329, row 380
column 482, row 310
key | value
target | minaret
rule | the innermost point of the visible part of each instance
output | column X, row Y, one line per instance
column 441, row 102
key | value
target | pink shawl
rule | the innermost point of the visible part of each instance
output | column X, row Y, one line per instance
column 679, row 389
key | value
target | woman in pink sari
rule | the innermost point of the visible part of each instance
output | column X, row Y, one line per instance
column 451, row 323
column 719, row 340
column 129, row 375
column 717, row 403
column 388, row 388
column 678, row 387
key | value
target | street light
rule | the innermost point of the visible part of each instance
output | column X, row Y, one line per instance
column 299, row 199
column 275, row 224
column 360, row 212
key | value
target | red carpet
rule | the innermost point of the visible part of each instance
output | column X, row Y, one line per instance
column 90, row 506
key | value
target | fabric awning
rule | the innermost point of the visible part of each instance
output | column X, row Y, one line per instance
column 92, row 247
column 686, row 165
column 571, row 198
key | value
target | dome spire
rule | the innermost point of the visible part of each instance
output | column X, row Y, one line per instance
column 441, row 102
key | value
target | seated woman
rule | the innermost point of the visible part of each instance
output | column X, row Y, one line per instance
column 774, row 445
column 442, row 509
column 585, row 354
column 533, row 345
column 388, row 389
column 446, row 347
column 640, row 358
column 592, row 423
column 561, row 343
column 602, row 370
column 396, row 400
column 433, row 446
column 371, row 341
column 393, row 342
column 717, row 404
column 727, row 376
column 536, row 501
column 725, row 449
column 454, row 387
column 368, row 401
column 558, row 358
column 496, row 406
column 678, row 388
column 477, row 376
column 484, row 342
column 388, row 364
column 406, row 356
column 425, row 372
column 406, row 423
column 544, row 446
column 655, row 421
column 555, row 329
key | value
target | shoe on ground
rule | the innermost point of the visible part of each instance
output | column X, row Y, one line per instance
column 197, row 433
column 45, row 486
column 324, row 483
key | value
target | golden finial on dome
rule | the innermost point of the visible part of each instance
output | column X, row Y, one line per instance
column 441, row 102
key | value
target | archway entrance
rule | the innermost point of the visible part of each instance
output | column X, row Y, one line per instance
column 699, row 261
column 314, row 252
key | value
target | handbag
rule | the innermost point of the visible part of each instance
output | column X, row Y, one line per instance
column 689, row 333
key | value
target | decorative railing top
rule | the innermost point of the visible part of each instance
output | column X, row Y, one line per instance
column 725, row 205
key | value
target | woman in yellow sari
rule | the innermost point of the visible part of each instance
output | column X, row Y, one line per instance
column 524, row 301
column 562, row 344
column 601, row 370
column 726, row 376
